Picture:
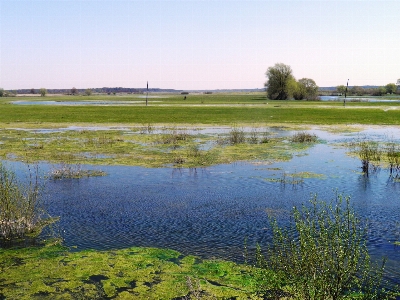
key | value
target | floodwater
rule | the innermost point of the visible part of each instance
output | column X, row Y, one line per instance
column 88, row 102
column 210, row 211
column 357, row 99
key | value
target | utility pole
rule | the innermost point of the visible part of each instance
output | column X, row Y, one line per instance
column 147, row 92
column 345, row 93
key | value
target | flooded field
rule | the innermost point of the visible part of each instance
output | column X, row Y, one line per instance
column 210, row 211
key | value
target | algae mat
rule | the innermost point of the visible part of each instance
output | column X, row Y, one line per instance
column 134, row 273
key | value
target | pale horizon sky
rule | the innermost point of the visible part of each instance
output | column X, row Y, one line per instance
column 192, row 45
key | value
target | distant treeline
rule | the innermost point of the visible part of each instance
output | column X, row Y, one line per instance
column 103, row 90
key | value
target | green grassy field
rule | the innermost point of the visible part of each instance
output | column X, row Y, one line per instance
column 200, row 109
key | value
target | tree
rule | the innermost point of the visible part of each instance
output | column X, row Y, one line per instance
column 1, row 92
column 357, row 90
column 278, row 83
column 379, row 91
column 310, row 88
column 74, row 91
column 391, row 88
column 43, row 92
column 341, row 89
column 298, row 90
column 32, row 90
column 88, row 92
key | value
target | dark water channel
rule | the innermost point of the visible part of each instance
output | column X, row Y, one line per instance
column 210, row 211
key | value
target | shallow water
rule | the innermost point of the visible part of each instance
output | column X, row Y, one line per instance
column 210, row 211
column 358, row 99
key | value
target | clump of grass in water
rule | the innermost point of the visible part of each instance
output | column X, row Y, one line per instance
column 21, row 214
column 235, row 136
column 174, row 136
column 392, row 153
column 369, row 153
column 65, row 171
column 323, row 253
column 303, row 137
column 147, row 129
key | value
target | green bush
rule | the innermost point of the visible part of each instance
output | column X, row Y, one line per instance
column 20, row 211
column 323, row 253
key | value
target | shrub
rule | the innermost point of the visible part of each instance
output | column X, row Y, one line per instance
column 20, row 211
column 236, row 136
column 323, row 253
column 303, row 137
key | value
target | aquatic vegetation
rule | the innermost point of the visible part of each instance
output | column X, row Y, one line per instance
column 64, row 171
column 21, row 214
column 127, row 146
column 303, row 137
column 144, row 273
column 374, row 155
column 323, row 253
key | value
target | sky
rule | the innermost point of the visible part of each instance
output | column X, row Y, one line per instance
column 191, row 44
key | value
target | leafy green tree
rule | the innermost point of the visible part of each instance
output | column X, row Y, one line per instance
column 357, row 91
column 297, row 90
column 1, row 92
column 341, row 89
column 379, row 91
column 43, row 92
column 278, row 83
column 74, row 91
column 310, row 87
column 391, row 88
column 88, row 92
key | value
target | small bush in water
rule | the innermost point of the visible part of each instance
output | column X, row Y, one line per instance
column 303, row 137
column 323, row 253
column 20, row 211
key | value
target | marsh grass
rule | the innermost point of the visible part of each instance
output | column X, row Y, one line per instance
column 21, row 212
column 303, row 137
column 174, row 136
column 147, row 129
column 236, row 136
column 374, row 155
column 73, row 171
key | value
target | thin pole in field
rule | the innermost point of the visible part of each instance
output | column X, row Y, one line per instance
column 147, row 92
column 345, row 93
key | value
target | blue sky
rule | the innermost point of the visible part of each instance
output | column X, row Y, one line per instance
column 196, row 44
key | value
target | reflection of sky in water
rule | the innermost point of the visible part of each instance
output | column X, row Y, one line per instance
column 358, row 99
column 210, row 211
column 87, row 102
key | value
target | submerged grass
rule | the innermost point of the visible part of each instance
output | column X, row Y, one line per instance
column 167, row 147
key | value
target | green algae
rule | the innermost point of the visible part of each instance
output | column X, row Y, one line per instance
column 295, row 178
column 53, row 272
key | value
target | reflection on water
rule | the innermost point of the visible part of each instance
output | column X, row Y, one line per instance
column 356, row 99
column 210, row 211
